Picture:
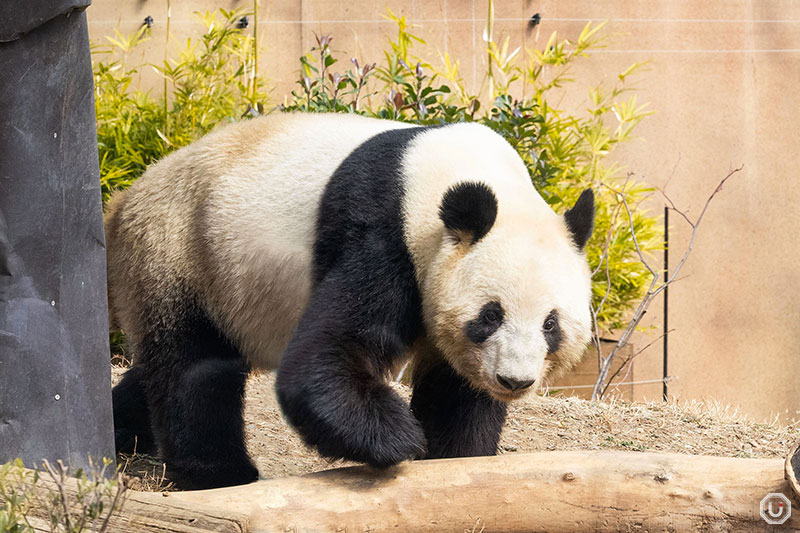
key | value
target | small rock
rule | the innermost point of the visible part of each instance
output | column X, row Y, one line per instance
column 663, row 477
column 509, row 448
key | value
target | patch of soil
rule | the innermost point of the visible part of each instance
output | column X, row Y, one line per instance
column 535, row 423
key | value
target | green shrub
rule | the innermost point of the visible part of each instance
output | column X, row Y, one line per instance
column 16, row 485
column 213, row 81
column 564, row 152
column 69, row 504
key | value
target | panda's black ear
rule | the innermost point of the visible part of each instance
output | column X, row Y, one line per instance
column 580, row 219
column 469, row 208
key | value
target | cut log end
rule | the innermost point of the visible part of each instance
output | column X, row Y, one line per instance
column 792, row 470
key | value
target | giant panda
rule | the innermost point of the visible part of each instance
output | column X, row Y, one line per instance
column 333, row 248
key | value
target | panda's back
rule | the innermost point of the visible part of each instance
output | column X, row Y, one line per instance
column 229, row 223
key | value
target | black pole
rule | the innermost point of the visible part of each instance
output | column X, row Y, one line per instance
column 666, row 299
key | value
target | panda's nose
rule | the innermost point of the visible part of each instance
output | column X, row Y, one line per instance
column 514, row 384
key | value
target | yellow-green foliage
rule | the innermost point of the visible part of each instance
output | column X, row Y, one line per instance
column 16, row 491
column 68, row 504
column 211, row 82
column 565, row 151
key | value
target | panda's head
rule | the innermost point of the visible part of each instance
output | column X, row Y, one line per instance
column 506, row 296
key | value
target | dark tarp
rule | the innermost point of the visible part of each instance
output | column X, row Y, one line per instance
column 55, row 399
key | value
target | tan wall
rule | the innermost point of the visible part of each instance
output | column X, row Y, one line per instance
column 723, row 79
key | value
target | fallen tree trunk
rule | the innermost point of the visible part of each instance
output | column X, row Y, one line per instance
column 546, row 491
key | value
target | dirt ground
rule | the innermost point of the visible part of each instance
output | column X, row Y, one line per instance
column 534, row 424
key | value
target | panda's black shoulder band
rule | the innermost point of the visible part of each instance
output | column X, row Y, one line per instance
column 469, row 207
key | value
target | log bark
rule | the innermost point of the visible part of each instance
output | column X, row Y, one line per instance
column 547, row 491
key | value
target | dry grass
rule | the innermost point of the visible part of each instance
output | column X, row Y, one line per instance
column 703, row 428
column 146, row 473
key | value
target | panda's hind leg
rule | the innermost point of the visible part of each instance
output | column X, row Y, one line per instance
column 458, row 420
column 205, row 446
column 132, row 432
column 194, row 380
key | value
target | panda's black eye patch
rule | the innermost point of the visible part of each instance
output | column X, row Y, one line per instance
column 486, row 323
column 552, row 331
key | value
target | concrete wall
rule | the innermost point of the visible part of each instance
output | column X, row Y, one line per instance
column 722, row 78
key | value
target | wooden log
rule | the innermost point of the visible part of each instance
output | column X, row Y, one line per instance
column 546, row 491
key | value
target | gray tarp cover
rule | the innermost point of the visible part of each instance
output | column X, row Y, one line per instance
column 55, row 399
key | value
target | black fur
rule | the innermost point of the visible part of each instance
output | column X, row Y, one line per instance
column 203, row 429
column 553, row 337
column 459, row 421
column 469, row 207
column 486, row 323
column 193, row 379
column 364, row 313
column 580, row 219
column 131, row 415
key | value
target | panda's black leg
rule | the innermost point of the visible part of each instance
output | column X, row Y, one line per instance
column 194, row 380
column 332, row 385
column 458, row 420
column 203, row 444
column 132, row 431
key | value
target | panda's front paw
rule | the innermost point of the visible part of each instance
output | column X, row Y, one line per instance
column 369, row 424
column 380, row 430
column 398, row 440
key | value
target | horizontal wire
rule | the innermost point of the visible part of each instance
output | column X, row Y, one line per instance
column 497, row 19
column 642, row 382
column 563, row 19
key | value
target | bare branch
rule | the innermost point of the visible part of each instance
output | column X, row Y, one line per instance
column 672, row 174
column 117, row 502
column 58, row 476
column 628, row 360
column 603, row 381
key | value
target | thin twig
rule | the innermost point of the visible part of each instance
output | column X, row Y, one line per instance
column 602, row 383
column 628, row 360
column 116, row 503
column 59, row 481
column 672, row 174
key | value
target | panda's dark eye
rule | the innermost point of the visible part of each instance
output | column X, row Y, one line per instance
column 552, row 332
column 489, row 320
column 491, row 316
